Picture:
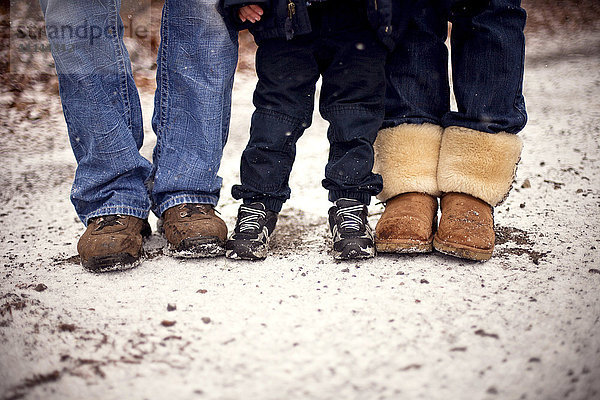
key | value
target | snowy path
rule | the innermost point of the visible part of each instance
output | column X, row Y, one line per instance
column 524, row 325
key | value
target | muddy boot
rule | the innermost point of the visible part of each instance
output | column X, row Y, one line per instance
column 407, row 224
column 194, row 230
column 466, row 228
column 112, row 242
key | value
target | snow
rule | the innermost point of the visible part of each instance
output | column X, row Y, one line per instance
column 525, row 324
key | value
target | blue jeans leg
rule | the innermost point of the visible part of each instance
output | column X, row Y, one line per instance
column 487, row 64
column 196, row 65
column 488, row 53
column 101, row 107
column 417, row 70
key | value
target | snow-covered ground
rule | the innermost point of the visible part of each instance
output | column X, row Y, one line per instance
column 525, row 325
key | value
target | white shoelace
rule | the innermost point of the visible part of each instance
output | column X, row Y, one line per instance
column 350, row 221
column 249, row 222
column 108, row 220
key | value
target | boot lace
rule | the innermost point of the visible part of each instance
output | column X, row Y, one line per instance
column 108, row 220
column 191, row 209
column 248, row 221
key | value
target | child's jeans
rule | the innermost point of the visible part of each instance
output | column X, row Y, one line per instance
column 344, row 50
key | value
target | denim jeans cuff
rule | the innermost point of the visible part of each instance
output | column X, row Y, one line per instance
column 185, row 198
column 113, row 210
column 363, row 197
column 270, row 203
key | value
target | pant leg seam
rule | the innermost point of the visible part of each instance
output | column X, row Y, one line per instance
column 352, row 108
column 163, row 105
column 279, row 115
column 519, row 92
column 121, row 63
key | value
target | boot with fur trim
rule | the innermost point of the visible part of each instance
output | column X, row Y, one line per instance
column 407, row 224
column 476, row 171
column 406, row 156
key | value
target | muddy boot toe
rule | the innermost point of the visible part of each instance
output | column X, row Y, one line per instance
column 466, row 228
column 194, row 230
column 112, row 242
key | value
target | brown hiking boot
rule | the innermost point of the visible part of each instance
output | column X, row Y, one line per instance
column 407, row 224
column 193, row 230
column 112, row 242
column 466, row 227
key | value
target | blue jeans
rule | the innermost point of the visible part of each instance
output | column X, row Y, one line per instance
column 488, row 51
column 196, row 66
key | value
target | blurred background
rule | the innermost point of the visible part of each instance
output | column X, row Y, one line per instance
column 22, row 67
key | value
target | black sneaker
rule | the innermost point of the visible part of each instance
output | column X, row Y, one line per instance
column 352, row 235
column 250, row 238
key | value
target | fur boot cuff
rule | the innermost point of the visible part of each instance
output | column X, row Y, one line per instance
column 406, row 156
column 478, row 163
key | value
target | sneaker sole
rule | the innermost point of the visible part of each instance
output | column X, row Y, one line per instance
column 113, row 262
column 198, row 247
column 403, row 246
column 245, row 251
column 352, row 252
column 460, row 251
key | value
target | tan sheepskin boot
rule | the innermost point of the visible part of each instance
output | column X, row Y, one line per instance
column 475, row 171
column 407, row 224
column 466, row 228
column 406, row 156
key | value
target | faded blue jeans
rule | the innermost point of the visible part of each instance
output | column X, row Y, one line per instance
column 196, row 65
column 488, row 52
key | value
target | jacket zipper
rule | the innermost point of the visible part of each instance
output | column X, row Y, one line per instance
column 291, row 8
column 289, row 23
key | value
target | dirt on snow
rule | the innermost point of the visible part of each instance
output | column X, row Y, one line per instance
column 524, row 325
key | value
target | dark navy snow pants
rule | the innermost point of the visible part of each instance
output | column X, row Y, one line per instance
column 344, row 50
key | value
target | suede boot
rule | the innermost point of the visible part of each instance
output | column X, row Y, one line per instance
column 466, row 227
column 475, row 170
column 407, row 156
column 194, row 230
column 407, row 224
